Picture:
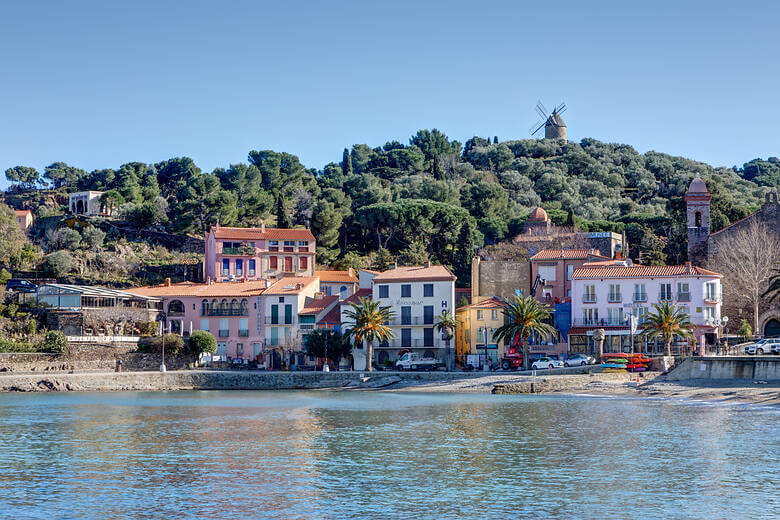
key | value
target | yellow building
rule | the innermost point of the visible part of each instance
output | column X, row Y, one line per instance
column 473, row 320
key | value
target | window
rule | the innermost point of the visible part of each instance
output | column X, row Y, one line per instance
column 615, row 316
column 204, row 308
column 225, row 267
column 224, row 328
column 709, row 314
column 204, row 324
column 223, row 308
column 239, row 267
column 642, row 313
column 274, row 314
column 697, row 219
column 252, row 268
column 406, row 337
column 303, row 263
column 406, row 315
column 711, row 291
column 590, row 316
column 494, row 314
column 666, row 292
column 243, row 328
column 683, row 292
column 303, row 246
column 273, row 262
column 614, row 293
column 547, row 272
column 274, row 336
column 383, row 291
column 406, row 290
column 239, row 350
column 343, row 292
column 569, row 271
column 428, row 337
column 281, row 299
column 256, row 349
column 288, row 318
column 428, row 290
column 289, row 246
column 428, row 314
column 288, row 264
column 640, row 294
column 685, row 309
column 273, row 245
column 327, row 290
column 479, row 314
column 590, row 294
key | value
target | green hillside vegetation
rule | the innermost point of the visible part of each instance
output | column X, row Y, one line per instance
column 411, row 201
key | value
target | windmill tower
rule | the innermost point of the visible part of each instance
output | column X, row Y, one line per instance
column 554, row 127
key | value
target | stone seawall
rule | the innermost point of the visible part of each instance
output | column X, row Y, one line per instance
column 765, row 368
column 86, row 358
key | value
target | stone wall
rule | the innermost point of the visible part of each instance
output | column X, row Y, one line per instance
column 766, row 368
column 500, row 277
column 89, row 359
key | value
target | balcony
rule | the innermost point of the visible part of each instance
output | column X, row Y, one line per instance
column 412, row 343
column 603, row 322
column 588, row 298
column 240, row 251
column 224, row 312
column 683, row 296
column 713, row 298
column 665, row 297
column 243, row 333
column 306, row 327
column 409, row 321
column 640, row 297
column 270, row 320
column 224, row 333
column 615, row 298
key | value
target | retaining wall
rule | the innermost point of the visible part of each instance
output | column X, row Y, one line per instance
column 766, row 368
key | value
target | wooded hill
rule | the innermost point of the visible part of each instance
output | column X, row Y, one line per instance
column 431, row 198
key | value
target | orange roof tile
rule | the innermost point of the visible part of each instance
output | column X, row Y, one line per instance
column 218, row 289
column 318, row 305
column 566, row 254
column 418, row 273
column 336, row 276
column 238, row 233
column 642, row 271
column 22, row 212
column 333, row 316
column 490, row 303
column 357, row 295
column 602, row 263
column 290, row 285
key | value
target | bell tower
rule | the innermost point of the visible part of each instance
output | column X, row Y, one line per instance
column 697, row 201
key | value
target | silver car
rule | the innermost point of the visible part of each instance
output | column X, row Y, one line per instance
column 762, row 346
column 579, row 360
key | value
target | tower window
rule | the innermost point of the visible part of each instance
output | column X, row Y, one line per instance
column 697, row 218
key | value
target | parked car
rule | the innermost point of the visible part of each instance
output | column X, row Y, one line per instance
column 19, row 285
column 776, row 347
column 762, row 346
column 415, row 361
column 579, row 360
column 546, row 362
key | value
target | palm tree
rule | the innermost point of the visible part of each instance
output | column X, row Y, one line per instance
column 774, row 286
column 667, row 321
column 447, row 323
column 523, row 317
column 369, row 325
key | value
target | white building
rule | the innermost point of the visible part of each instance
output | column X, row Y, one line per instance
column 282, row 302
column 416, row 295
column 605, row 296
column 86, row 203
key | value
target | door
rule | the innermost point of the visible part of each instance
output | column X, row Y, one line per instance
column 288, row 262
column 288, row 314
column 274, row 314
column 222, row 349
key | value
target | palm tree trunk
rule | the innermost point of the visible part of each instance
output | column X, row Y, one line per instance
column 667, row 347
column 526, row 354
column 369, row 355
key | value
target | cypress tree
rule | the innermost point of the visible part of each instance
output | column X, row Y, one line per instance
column 346, row 163
column 465, row 252
column 570, row 219
column 282, row 218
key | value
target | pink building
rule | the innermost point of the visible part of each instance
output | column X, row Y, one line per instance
column 555, row 267
column 234, row 253
column 24, row 218
column 232, row 312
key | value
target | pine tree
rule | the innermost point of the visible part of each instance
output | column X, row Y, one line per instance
column 282, row 217
column 495, row 139
column 346, row 163
column 436, row 169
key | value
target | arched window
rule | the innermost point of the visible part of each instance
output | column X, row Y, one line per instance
column 175, row 307
column 233, row 306
column 223, row 307
column 343, row 292
column 214, row 306
column 697, row 219
column 244, row 307
column 204, row 308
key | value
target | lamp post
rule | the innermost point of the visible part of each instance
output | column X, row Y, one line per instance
column 162, row 328
column 325, row 367
column 724, row 321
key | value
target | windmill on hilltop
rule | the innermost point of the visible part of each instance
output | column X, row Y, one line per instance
column 554, row 127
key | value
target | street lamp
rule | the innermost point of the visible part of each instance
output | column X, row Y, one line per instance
column 724, row 321
column 162, row 317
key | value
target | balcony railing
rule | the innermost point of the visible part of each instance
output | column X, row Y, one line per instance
column 713, row 298
column 243, row 333
column 665, row 297
column 615, row 298
column 602, row 322
column 413, row 343
column 224, row 312
column 306, row 326
column 270, row 320
column 640, row 297
column 411, row 320
column 224, row 333
column 683, row 296
column 589, row 298
column 243, row 251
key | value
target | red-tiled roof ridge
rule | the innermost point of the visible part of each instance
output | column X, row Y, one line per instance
column 262, row 233
column 333, row 316
column 332, row 275
column 355, row 297
column 317, row 305
column 488, row 303
column 566, row 254
column 289, row 284
column 433, row 273
column 643, row 271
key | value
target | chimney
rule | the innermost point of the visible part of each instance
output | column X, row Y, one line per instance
column 351, row 272
column 217, row 227
column 394, row 265
column 318, row 295
column 298, row 286
column 167, row 282
column 427, row 264
column 688, row 268
column 208, row 280
column 262, row 226
column 618, row 255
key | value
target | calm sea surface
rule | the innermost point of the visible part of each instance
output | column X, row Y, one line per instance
column 383, row 455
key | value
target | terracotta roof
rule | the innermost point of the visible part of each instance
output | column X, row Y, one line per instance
column 357, row 295
column 566, row 254
column 642, row 271
column 333, row 316
column 336, row 276
column 371, row 271
column 603, row 263
column 434, row 273
column 22, row 212
column 490, row 303
column 291, row 285
column 538, row 215
column 318, row 305
column 238, row 233
column 218, row 289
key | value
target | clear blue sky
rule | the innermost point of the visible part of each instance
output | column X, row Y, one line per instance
column 97, row 84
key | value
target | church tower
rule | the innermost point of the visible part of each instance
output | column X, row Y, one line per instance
column 697, row 201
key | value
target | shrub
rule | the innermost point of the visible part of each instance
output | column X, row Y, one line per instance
column 174, row 345
column 58, row 263
column 148, row 328
column 92, row 238
column 202, row 342
column 9, row 345
column 64, row 238
column 55, row 341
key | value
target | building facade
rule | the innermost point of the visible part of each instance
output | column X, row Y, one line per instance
column 555, row 267
column 24, row 218
column 283, row 303
column 87, row 203
column 338, row 283
column 606, row 297
column 233, row 253
column 476, row 324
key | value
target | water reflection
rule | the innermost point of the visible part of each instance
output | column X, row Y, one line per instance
column 380, row 455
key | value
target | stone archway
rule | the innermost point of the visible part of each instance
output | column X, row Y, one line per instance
column 769, row 323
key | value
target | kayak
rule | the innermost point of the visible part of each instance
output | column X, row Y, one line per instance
column 613, row 365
